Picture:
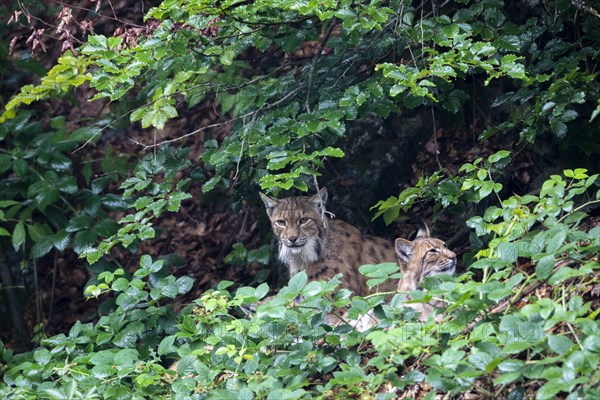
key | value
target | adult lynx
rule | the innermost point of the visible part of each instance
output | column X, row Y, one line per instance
column 322, row 247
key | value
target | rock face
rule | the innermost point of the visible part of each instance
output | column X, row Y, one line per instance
column 379, row 158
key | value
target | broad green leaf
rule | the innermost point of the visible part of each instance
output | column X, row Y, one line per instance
column 559, row 344
column 61, row 240
column 544, row 266
column 261, row 290
column 511, row 365
column 103, row 357
column 556, row 241
column 166, row 345
column 549, row 390
column 84, row 241
column 18, row 236
column 42, row 356
column 42, row 247
column 55, row 394
column 480, row 360
column 298, row 281
column 184, row 284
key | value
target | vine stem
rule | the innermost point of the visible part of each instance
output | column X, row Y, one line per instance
column 571, row 329
column 581, row 207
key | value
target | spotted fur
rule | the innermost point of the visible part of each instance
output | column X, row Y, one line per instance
column 322, row 247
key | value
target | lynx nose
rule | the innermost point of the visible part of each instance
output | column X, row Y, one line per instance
column 293, row 239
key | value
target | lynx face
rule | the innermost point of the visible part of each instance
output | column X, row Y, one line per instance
column 299, row 225
column 424, row 256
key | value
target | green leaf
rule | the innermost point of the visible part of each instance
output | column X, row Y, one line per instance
column 211, row 183
column 167, row 287
column 127, row 337
column 155, row 266
column 554, row 243
column 227, row 56
column 145, row 261
column 494, row 158
column 480, row 359
column 379, row 270
column 166, row 345
column 224, row 285
column 544, row 266
column 120, row 285
column 42, row 356
column 55, row 394
column 379, row 273
column 61, row 240
column 83, row 241
column 184, row 284
column 8, row 203
column 261, row 290
column 560, row 344
column 549, row 390
column 18, row 236
column 298, row 281
column 564, row 273
column 507, row 378
column 42, row 247
column 511, row 365
column 79, row 222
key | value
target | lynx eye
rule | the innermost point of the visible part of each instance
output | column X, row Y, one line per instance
column 432, row 251
column 304, row 220
column 280, row 222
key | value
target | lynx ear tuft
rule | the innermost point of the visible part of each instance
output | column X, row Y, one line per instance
column 319, row 200
column 404, row 250
column 270, row 203
column 423, row 231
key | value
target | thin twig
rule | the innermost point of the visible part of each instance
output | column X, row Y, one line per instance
column 53, row 288
column 580, row 4
column 435, row 142
column 218, row 124
column 244, row 136
column 581, row 207
column 311, row 74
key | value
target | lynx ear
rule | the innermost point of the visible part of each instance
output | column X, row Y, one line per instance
column 319, row 200
column 270, row 203
column 404, row 249
column 423, row 231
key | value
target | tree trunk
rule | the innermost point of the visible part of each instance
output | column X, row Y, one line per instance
column 21, row 335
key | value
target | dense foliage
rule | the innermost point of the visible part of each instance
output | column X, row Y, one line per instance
column 495, row 338
column 289, row 78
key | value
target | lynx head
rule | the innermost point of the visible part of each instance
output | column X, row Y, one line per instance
column 424, row 256
column 298, row 223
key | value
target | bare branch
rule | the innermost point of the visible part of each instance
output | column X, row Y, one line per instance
column 581, row 4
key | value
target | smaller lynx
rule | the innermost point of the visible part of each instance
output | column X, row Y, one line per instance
column 424, row 256
column 309, row 241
